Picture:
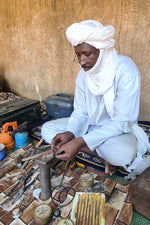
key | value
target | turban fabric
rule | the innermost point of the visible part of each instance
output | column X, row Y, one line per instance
column 91, row 32
column 101, row 76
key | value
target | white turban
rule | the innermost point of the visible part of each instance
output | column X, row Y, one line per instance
column 91, row 32
column 101, row 76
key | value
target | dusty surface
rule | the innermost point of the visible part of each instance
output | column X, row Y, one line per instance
column 36, row 60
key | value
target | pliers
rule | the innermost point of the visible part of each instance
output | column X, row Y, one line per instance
column 77, row 164
column 22, row 190
column 23, row 179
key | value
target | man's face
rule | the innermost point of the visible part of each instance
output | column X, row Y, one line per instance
column 87, row 55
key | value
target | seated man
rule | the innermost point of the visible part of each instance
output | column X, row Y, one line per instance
column 106, row 103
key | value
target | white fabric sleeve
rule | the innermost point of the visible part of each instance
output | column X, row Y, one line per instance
column 79, row 121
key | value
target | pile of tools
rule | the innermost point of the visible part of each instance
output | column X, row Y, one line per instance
column 7, row 96
column 18, row 190
column 44, row 158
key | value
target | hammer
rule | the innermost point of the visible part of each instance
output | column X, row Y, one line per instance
column 13, row 164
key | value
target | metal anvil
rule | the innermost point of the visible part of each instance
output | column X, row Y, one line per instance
column 44, row 163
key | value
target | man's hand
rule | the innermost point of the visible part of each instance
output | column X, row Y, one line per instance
column 61, row 139
column 69, row 150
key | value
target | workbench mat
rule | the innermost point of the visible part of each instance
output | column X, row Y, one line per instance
column 84, row 158
column 118, row 206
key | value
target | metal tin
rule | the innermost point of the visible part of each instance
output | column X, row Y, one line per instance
column 65, row 222
column 86, row 180
column 21, row 140
column 42, row 213
column 2, row 151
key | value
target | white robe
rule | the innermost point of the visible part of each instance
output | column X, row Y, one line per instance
column 91, row 120
column 90, row 113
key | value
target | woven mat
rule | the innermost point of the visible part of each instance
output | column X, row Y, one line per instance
column 86, row 159
column 138, row 219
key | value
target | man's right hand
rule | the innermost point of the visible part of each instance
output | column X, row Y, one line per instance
column 61, row 139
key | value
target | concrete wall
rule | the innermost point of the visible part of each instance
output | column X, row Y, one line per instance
column 34, row 52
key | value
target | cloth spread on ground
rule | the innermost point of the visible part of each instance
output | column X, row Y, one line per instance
column 30, row 198
column 115, row 188
column 89, row 160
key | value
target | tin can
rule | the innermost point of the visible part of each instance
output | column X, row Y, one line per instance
column 2, row 151
column 65, row 222
column 86, row 180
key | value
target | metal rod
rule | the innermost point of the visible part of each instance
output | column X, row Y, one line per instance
column 45, row 182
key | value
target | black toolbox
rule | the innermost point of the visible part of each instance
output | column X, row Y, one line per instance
column 20, row 110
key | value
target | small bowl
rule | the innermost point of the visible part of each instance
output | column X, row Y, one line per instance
column 2, row 151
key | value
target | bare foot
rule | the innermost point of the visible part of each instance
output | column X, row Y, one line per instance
column 110, row 169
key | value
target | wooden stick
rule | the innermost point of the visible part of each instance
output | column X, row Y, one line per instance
column 13, row 164
column 88, row 212
column 34, row 156
column 40, row 142
column 85, row 211
column 82, row 209
column 102, row 209
column 77, row 207
column 37, row 155
column 90, row 219
column 97, row 208
column 94, row 210
column 78, row 211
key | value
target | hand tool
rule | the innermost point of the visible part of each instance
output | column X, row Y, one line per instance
column 19, row 191
column 13, row 164
column 39, row 148
column 22, row 190
column 75, row 164
column 45, row 162
column 34, row 150
column 59, row 196
column 66, row 167
column 22, row 180
column 27, row 161
column 36, row 155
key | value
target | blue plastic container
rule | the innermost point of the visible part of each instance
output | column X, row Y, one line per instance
column 59, row 105
column 2, row 151
column 21, row 140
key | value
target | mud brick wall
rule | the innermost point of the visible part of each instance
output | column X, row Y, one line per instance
column 35, row 52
